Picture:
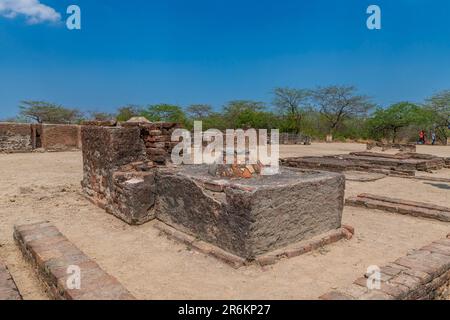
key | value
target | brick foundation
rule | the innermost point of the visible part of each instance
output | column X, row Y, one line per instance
column 421, row 275
column 293, row 250
column 413, row 208
column 51, row 253
column 403, row 164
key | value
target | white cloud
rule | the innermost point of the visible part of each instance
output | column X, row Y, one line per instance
column 33, row 11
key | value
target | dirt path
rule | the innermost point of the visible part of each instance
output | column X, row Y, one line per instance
column 46, row 187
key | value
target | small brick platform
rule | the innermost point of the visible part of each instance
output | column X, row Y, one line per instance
column 294, row 250
column 416, row 209
column 402, row 164
column 52, row 254
column 421, row 275
column 8, row 288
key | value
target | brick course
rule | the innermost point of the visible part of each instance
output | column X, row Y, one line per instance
column 413, row 208
column 51, row 253
column 421, row 275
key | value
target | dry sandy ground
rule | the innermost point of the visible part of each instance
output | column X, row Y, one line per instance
column 46, row 187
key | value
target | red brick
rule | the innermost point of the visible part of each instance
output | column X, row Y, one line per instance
column 53, row 254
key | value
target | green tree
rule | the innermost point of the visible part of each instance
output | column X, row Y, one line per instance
column 127, row 112
column 291, row 103
column 100, row 116
column 199, row 111
column 387, row 123
column 338, row 103
column 46, row 112
column 165, row 113
column 439, row 107
column 240, row 113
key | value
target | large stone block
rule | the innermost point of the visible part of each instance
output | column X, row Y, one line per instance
column 249, row 217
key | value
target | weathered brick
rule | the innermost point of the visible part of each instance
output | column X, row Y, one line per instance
column 422, row 275
column 52, row 254
column 437, row 248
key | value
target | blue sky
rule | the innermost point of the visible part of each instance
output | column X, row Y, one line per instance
column 213, row 51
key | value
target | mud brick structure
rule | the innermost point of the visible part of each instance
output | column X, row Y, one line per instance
column 421, row 275
column 413, row 208
column 402, row 164
column 15, row 137
column 51, row 254
column 244, row 217
column 25, row 137
column 8, row 288
column 59, row 137
column 118, row 166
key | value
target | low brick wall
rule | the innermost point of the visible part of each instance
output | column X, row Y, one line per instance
column 53, row 257
column 117, row 163
column 15, row 137
column 421, row 275
column 24, row 137
column 405, row 164
column 61, row 137
column 413, row 208
column 8, row 288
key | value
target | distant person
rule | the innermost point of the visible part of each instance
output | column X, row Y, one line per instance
column 433, row 138
column 422, row 137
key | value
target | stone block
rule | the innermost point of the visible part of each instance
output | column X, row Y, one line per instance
column 250, row 216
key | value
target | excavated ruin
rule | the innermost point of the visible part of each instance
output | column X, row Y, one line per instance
column 127, row 171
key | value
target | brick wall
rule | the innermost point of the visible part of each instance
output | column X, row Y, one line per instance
column 15, row 137
column 61, row 137
column 157, row 139
column 24, row 137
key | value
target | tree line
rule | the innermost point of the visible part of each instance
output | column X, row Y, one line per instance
column 340, row 111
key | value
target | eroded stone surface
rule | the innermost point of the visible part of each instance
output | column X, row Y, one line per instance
column 250, row 216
